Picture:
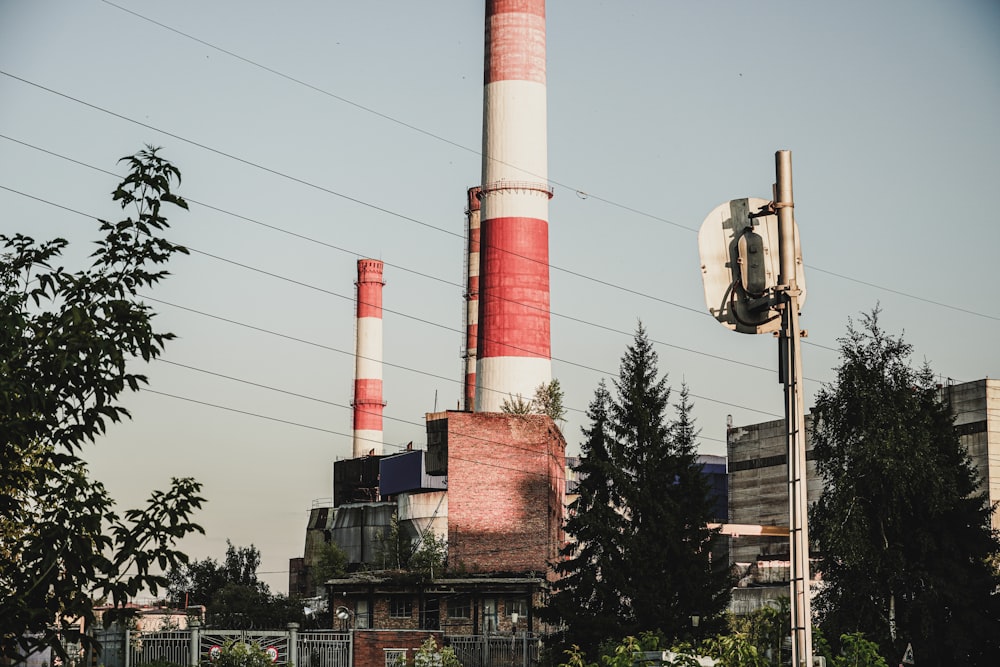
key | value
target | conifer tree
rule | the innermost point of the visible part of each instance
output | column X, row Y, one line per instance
column 591, row 564
column 904, row 528
column 672, row 576
column 641, row 553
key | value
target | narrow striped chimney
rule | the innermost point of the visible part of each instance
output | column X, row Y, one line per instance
column 514, row 355
column 471, row 300
column 368, row 403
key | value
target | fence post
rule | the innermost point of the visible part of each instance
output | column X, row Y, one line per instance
column 293, row 643
column 194, row 624
column 128, row 646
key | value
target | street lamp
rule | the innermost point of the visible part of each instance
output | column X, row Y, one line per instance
column 344, row 614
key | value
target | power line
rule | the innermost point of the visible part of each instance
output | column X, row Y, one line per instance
column 477, row 152
column 430, row 322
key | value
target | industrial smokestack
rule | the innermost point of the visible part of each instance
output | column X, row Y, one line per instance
column 471, row 300
column 514, row 353
column 368, row 403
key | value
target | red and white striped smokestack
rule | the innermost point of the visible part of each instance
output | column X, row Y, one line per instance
column 368, row 403
column 514, row 355
column 471, row 300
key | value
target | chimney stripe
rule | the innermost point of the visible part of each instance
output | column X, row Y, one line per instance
column 368, row 403
column 514, row 348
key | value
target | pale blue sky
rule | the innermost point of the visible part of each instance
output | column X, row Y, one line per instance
column 659, row 111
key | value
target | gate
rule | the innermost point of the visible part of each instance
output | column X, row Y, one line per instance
column 184, row 647
column 495, row 650
column 324, row 649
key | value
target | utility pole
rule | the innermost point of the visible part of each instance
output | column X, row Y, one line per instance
column 754, row 283
column 790, row 369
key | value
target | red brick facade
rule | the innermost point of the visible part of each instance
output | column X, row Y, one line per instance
column 371, row 646
column 506, row 480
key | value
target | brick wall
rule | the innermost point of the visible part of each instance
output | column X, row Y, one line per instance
column 506, row 480
column 370, row 645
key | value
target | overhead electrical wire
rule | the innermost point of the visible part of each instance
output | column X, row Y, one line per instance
column 478, row 152
column 422, row 274
column 405, row 315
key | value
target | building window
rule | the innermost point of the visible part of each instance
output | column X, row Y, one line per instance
column 362, row 618
column 400, row 607
column 489, row 615
column 395, row 657
column 517, row 606
column 459, row 608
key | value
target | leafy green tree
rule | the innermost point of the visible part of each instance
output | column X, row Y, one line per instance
column 431, row 655
column 232, row 594
column 548, row 400
column 516, row 405
column 856, row 651
column 68, row 345
column 643, row 550
column 903, row 525
column 430, row 555
column 330, row 564
column 237, row 653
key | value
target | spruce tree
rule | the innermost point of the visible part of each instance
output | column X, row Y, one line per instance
column 904, row 527
column 640, row 552
column 590, row 566
column 671, row 573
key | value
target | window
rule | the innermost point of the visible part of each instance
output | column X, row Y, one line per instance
column 395, row 657
column 400, row 607
column 517, row 606
column 489, row 615
column 459, row 608
column 361, row 615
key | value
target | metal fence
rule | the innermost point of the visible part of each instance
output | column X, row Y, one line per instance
column 519, row 650
column 197, row 646
column 292, row 648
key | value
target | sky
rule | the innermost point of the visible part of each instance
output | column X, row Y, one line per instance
column 313, row 133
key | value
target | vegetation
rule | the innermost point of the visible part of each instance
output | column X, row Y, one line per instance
column 233, row 596
column 548, row 400
column 67, row 344
column 423, row 556
column 237, row 653
column 639, row 558
column 905, row 530
column 431, row 655
column 331, row 564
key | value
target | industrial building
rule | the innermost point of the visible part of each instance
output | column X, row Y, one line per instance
column 758, row 486
column 491, row 484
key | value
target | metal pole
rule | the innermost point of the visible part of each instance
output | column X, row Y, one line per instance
column 194, row 650
column 791, row 365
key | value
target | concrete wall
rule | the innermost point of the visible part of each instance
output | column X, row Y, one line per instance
column 758, row 485
column 976, row 406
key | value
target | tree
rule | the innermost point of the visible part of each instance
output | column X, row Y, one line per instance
column 238, row 653
column 67, row 345
column 231, row 592
column 591, row 565
column 330, row 564
column 549, row 401
column 431, row 655
column 902, row 523
column 642, row 554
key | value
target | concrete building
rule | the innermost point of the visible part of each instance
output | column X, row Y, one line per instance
column 758, row 485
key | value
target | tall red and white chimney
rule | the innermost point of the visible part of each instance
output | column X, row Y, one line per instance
column 368, row 403
column 471, row 300
column 514, row 349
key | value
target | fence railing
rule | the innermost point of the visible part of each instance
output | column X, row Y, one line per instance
column 195, row 647
column 520, row 650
